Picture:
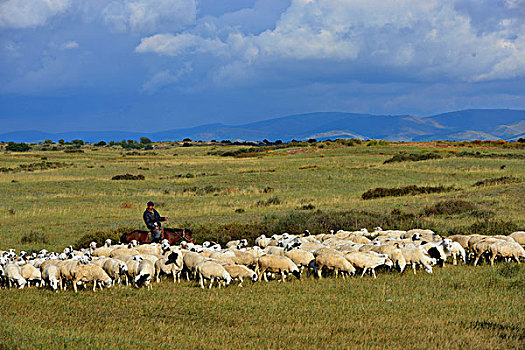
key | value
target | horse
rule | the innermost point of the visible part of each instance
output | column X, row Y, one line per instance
column 173, row 235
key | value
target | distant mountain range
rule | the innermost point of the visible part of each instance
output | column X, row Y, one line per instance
column 471, row 124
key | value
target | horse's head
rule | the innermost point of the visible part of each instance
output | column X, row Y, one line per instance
column 187, row 236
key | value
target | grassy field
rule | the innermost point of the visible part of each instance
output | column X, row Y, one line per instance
column 456, row 307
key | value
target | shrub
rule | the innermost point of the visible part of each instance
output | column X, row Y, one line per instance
column 269, row 201
column 17, row 147
column 100, row 237
column 100, row 143
column 449, row 207
column 375, row 142
column 488, row 227
column 35, row 237
column 307, row 207
column 145, row 140
column 128, row 177
column 412, row 157
column 497, row 181
column 380, row 192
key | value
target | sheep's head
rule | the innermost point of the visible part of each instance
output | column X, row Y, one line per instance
column 389, row 262
column 254, row 277
column 416, row 237
column 296, row 273
column 108, row 242
column 172, row 258
column 53, row 284
column 123, row 268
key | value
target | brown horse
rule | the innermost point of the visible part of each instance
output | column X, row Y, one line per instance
column 173, row 235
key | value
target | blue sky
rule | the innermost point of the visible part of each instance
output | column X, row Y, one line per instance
column 150, row 65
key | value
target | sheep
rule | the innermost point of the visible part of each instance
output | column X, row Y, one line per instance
column 31, row 274
column 13, row 275
column 311, row 246
column 461, row 239
column 329, row 251
column 171, row 264
column 507, row 250
column 246, row 258
column 368, row 261
column 239, row 243
column 482, row 247
column 191, row 260
column 227, row 257
column 145, row 272
column 102, row 251
column 435, row 251
column 212, row 271
column 262, row 241
column 274, row 250
column 115, row 253
column 301, row 258
column 519, row 237
column 456, row 249
column 414, row 256
column 51, row 276
column 133, row 266
column 393, row 252
column 277, row 264
column 90, row 273
column 115, row 269
column 240, row 272
column 149, row 249
column 336, row 262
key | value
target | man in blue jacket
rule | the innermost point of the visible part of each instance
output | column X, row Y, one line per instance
column 153, row 220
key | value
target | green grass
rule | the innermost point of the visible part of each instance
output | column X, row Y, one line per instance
column 456, row 307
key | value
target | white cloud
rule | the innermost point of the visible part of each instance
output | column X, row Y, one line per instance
column 164, row 78
column 30, row 13
column 176, row 45
column 69, row 45
column 424, row 40
column 149, row 16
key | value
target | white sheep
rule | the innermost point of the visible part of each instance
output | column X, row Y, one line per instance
column 145, row 273
column 334, row 262
column 456, row 250
column 13, row 275
column 191, row 260
column 51, row 276
column 519, row 237
column 240, row 272
column 31, row 274
column 170, row 265
column 277, row 264
column 90, row 273
column 212, row 271
column 116, row 269
column 414, row 256
column 301, row 258
column 368, row 261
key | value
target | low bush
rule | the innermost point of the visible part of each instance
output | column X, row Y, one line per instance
column 498, row 181
column 412, row 157
column 268, row 202
column 100, row 237
column 380, row 192
column 128, row 177
column 449, row 207
column 488, row 227
column 35, row 237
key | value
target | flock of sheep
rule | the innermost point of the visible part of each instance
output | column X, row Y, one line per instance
column 338, row 253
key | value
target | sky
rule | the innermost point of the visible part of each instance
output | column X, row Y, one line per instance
column 151, row 65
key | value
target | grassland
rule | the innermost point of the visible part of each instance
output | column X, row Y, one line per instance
column 455, row 307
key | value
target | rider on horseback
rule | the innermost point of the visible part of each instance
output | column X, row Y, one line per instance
column 152, row 220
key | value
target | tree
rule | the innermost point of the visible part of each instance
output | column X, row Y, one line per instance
column 61, row 141
column 187, row 139
column 145, row 140
column 100, row 143
column 77, row 142
column 48, row 142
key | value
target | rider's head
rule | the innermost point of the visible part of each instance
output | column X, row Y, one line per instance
column 150, row 205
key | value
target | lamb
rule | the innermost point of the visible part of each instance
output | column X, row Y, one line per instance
column 13, row 275
column 368, row 261
column 240, row 272
column 90, row 273
column 115, row 269
column 519, row 237
column 31, row 274
column 414, row 256
column 145, row 272
column 335, row 262
column 212, row 271
column 277, row 264
column 51, row 276
column 170, row 265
